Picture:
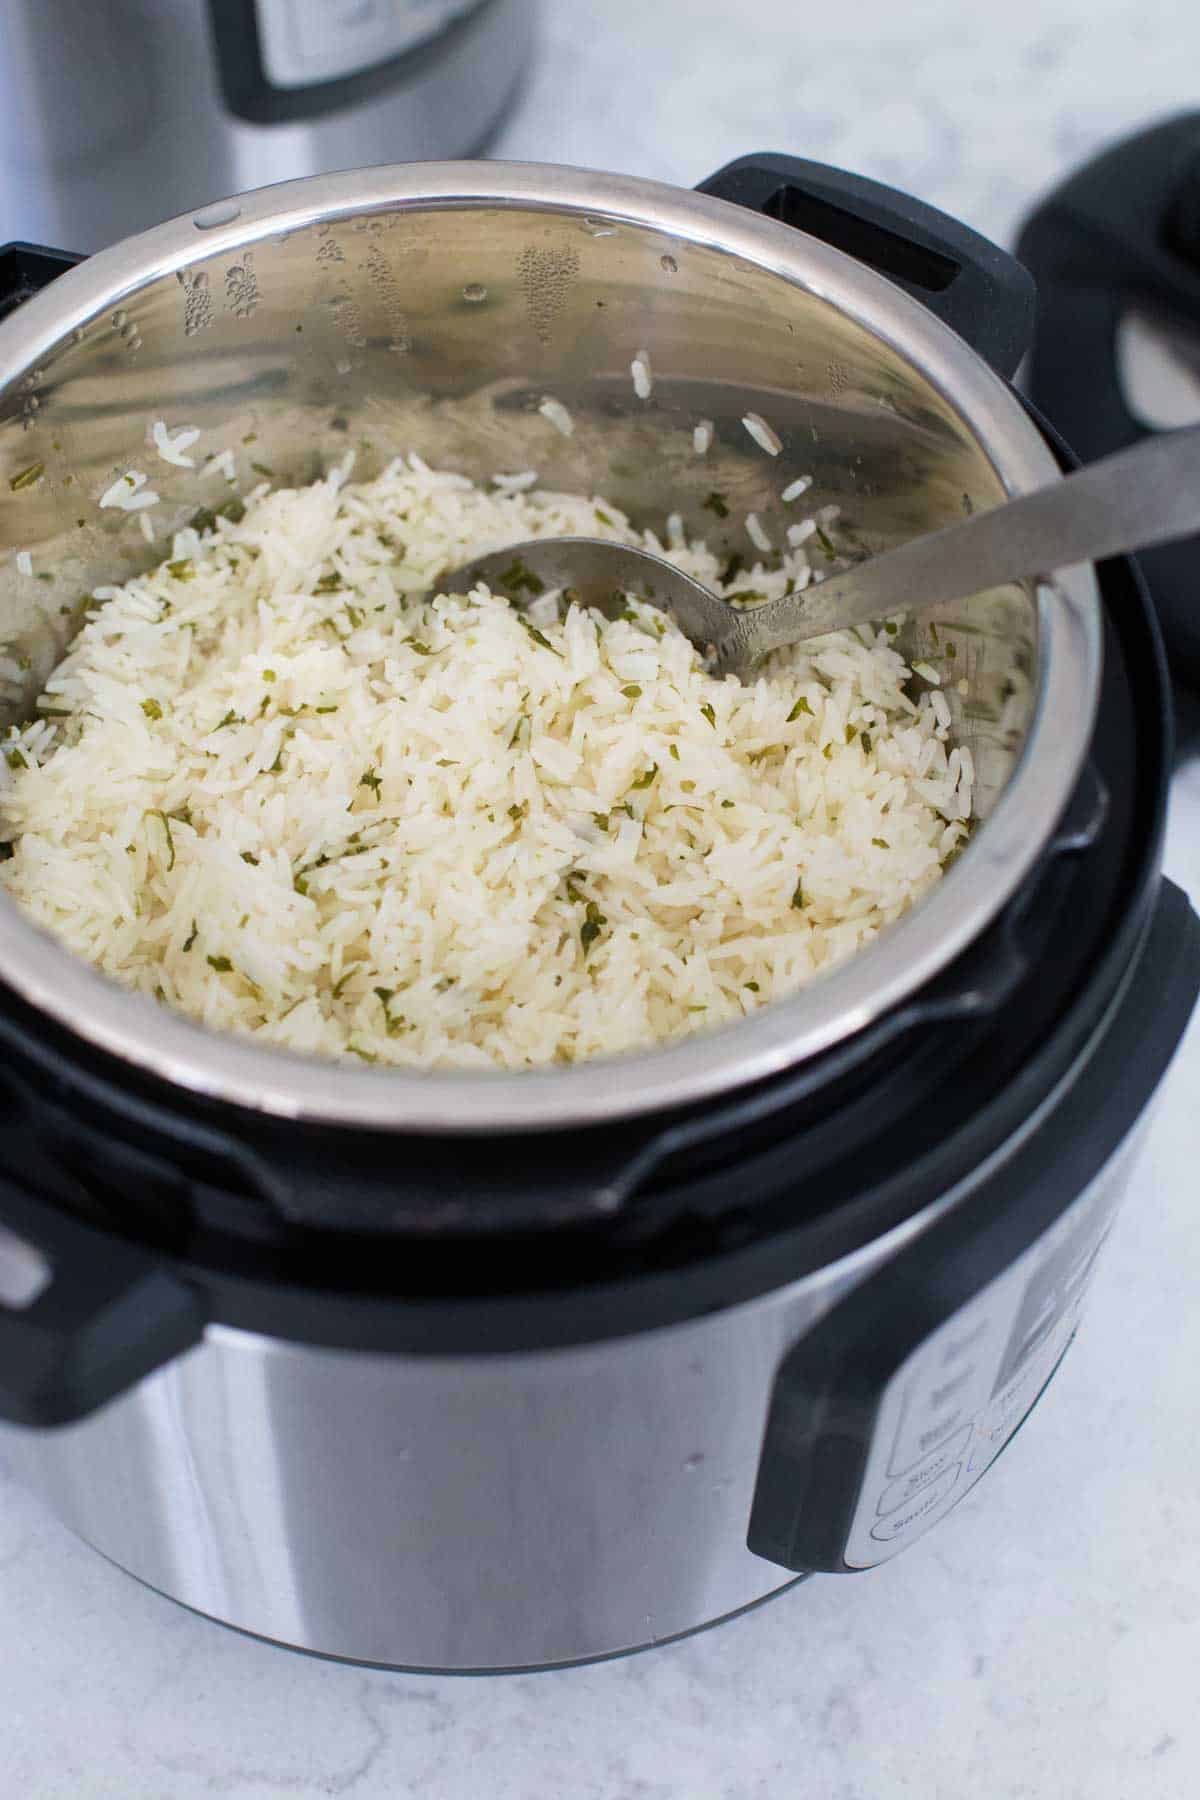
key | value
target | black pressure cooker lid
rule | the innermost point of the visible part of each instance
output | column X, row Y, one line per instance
column 1121, row 237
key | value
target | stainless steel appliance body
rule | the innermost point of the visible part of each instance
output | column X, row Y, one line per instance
column 115, row 114
column 503, row 1511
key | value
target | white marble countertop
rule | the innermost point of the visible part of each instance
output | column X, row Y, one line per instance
column 1044, row 1642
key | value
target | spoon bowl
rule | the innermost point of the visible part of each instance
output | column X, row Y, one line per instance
column 1146, row 495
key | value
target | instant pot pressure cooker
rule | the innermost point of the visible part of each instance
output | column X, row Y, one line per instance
column 472, row 1371
column 115, row 113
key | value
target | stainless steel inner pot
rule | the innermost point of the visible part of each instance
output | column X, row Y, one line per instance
column 432, row 307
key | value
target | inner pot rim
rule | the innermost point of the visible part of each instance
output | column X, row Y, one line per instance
column 834, row 1006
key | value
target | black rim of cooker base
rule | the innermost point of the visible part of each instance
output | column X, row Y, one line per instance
column 93, row 1138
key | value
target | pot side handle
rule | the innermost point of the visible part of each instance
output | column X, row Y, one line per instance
column 25, row 269
column 973, row 286
column 83, row 1315
column 886, row 1413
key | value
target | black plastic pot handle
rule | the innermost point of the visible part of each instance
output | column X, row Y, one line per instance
column 25, row 269
column 83, row 1315
column 970, row 283
column 1122, row 232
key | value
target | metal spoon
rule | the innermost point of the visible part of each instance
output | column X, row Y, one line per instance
column 1139, row 497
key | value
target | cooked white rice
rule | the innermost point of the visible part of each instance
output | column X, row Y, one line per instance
column 556, row 414
column 173, row 448
column 757, row 532
column 292, row 794
column 764, row 435
column 129, row 493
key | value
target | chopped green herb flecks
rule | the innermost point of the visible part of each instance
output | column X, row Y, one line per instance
column 801, row 706
column 182, row 570
column 369, row 779
column 644, row 780
column 166, row 825
column 881, row 843
column 709, row 714
column 262, row 469
column 600, row 819
column 717, row 504
column 27, row 478
column 518, row 578
column 396, row 1023
column 221, row 964
column 727, row 803
column 752, row 985
column 15, row 759
column 674, row 751
column 248, row 856
column 518, row 810
column 589, row 931
column 798, row 897
column 827, row 549
column 152, row 709
column 632, row 691
column 422, row 649
column 539, row 637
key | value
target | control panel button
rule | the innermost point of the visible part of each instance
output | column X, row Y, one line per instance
column 907, row 1486
column 907, row 1518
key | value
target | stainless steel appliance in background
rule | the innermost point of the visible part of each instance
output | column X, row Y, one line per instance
column 115, row 114
column 483, row 1370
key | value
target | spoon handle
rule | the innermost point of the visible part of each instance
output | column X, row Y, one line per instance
column 1141, row 496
